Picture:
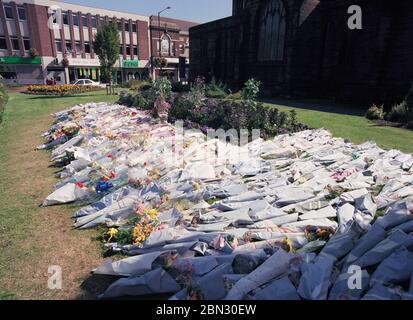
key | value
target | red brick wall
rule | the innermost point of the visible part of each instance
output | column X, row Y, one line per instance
column 143, row 41
column 39, row 31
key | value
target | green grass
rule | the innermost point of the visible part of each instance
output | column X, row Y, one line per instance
column 25, row 180
column 350, row 123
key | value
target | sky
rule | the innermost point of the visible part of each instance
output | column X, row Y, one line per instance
column 193, row 10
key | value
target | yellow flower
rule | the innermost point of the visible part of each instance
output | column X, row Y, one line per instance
column 147, row 229
column 138, row 235
column 111, row 233
column 152, row 213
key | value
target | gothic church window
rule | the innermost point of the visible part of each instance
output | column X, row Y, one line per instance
column 272, row 31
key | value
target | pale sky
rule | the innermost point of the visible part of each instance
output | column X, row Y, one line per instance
column 193, row 10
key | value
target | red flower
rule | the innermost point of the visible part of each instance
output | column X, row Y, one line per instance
column 80, row 185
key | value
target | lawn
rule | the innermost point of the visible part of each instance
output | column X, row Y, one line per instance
column 347, row 122
column 33, row 238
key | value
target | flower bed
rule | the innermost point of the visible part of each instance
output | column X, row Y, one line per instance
column 61, row 90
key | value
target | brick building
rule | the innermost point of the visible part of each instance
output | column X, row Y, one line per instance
column 305, row 48
column 65, row 52
column 170, row 41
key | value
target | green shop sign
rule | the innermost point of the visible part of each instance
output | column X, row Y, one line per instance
column 20, row 60
column 131, row 63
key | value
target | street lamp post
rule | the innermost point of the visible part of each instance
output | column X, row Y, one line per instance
column 159, row 33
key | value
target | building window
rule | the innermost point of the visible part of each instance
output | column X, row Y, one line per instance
column 120, row 49
column 69, row 48
column 135, row 50
column 75, row 20
column 94, row 25
column 59, row 46
column 65, row 19
column 134, row 28
column 27, row 45
column 128, row 50
column 22, row 13
column 119, row 25
column 272, row 32
column 78, row 48
column 15, row 43
column 127, row 26
column 9, row 12
column 165, row 44
column 3, row 45
column 8, row 72
column 87, row 47
column 85, row 21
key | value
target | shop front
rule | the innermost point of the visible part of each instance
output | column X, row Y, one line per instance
column 84, row 69
column 21, row 70
column 132, row 70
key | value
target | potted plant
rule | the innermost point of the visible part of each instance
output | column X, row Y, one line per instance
column 65, row 62
column 34, row 53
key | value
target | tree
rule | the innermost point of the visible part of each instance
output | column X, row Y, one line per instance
column 106, row 45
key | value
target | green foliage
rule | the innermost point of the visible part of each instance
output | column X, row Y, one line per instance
column 124, row 237
column 180, row 110
column 228, row 114
column 33, row 52
column 106, row 45
column 162, row 86
column 234, row 96
column 400, row 113
column 375, row 113
column 251, row 90
column 197, row 92
column 143, row 100
column 216, row 89
column 137, row 84
column 3, row 100
column 292, row 119
column 403, row 112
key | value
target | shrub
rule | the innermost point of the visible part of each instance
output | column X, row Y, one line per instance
column 375, row 113
column 4, row 98
column 251, row 90
column 143, row 100
column 179, row 110
column 197, row 92
column 228, row 114
column 403, row 112
column 125, row 98
column 134, row 84
column 216, row 89
column 162, row 86
column 400, row 113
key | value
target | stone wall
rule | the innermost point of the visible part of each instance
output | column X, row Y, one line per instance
column 323, row 58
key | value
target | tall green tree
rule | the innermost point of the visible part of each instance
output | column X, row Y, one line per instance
column 106, row 45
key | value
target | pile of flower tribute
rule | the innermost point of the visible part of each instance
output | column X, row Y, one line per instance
column 294, row 217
